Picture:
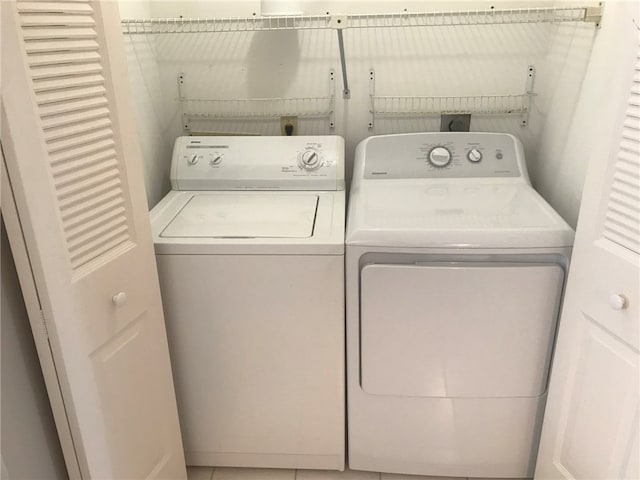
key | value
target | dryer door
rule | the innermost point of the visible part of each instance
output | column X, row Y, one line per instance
column 451, row 329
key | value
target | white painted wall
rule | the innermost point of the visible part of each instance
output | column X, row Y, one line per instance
column 571, row 129
column 465, row 60
column 149, row 104
column 30, row 445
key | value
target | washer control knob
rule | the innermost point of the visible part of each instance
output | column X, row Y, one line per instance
column 193, row 159
column 439, row 157
column 215, row 160
column 310, row 160
column 474, row 155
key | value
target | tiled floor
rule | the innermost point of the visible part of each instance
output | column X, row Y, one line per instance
column 220, row 473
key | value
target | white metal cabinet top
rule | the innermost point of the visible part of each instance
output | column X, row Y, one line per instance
column 462, row 190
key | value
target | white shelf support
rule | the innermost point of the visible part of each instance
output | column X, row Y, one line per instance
column 531, row 75
column 594, row 14
column 339, row 23
column 372, row 93
column 332, row 90
column 346, row 93
column 181, row 98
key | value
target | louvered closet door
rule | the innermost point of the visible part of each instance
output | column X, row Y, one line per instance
column 591, row 424
column 75, row 169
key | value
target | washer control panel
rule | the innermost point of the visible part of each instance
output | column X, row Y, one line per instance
column 442, row 155
column 258, row 163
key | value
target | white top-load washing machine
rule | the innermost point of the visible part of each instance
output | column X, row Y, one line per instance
column 250, row 252
column 455, row 269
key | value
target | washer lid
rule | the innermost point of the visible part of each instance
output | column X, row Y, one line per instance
column 272, row 215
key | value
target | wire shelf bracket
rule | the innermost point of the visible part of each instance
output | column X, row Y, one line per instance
column 372, row 96
column 211, row 109
column 531, row 75
column 594, row 14
column 432, row 106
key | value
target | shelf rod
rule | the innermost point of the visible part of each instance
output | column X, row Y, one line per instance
column 339, row 22
column 346, row 93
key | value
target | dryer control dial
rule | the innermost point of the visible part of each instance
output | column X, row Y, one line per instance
column 439, row 157
column 310, row 160
column 193, row 159
column 474, row 155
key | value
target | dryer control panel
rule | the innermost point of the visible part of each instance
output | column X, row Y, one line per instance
column 443, row 155
column 258, row 163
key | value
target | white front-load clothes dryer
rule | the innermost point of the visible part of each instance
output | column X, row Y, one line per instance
column 454, row 276
column 250, row 253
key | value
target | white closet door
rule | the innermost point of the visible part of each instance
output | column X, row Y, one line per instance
column 591, row 423
column 74, row 167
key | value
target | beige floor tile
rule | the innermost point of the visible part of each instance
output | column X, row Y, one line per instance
column 393, row 476
column 221, row 473
column 199, row 473
column 333, row 475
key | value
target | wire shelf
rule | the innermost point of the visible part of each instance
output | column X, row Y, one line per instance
column 430, row 105
column 258, row 107
column 475, row 17
column 214, row 25
column 375, row 20
column 402, row 106
column 198, row 110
